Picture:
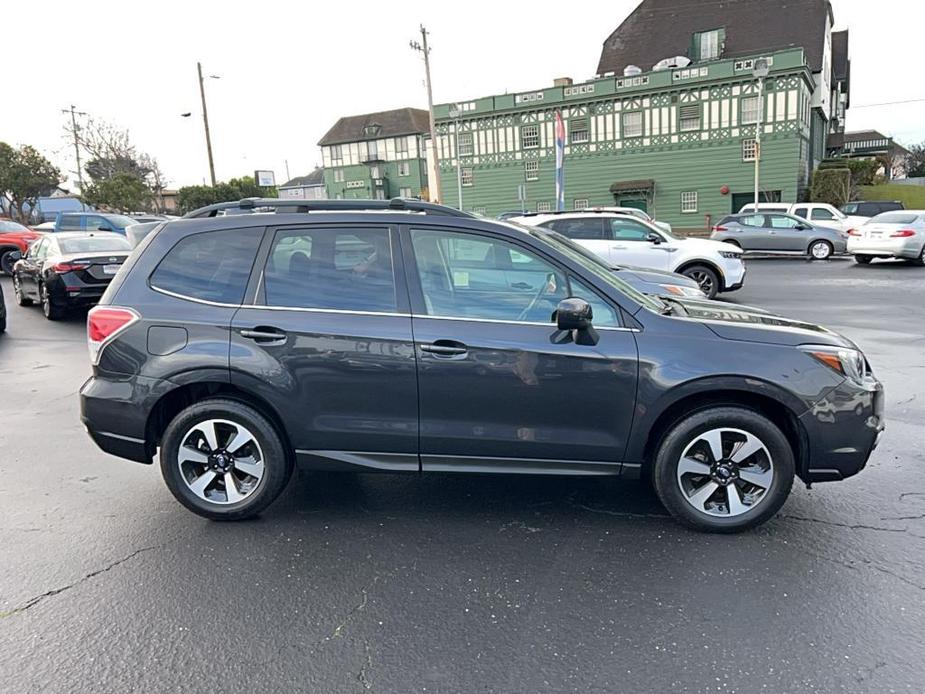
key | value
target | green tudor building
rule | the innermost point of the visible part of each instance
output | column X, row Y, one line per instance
column 677, row 139
column 376, row 155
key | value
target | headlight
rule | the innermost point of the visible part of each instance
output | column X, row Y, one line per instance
column 848, row 362
column 731, row 255
column 677, row 289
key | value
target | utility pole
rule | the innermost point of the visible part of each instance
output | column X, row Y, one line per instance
column 423, row 48
column 760, row 72
column 74, row 113
column 205, row 120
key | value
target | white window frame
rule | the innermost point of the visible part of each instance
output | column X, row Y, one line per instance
column 404, row 168
column 404, row 192
column 531, row 140
column 574, row 132
column 480, row 210
column 749, row 149
column 750, row 115
column 627, row 132
column 580, row 204
column 689, row 202
column 338, row 175
column 467, row 176
column 337, row 153
column 532, row 170
column 542, row 207
column 466, row 145
column 709, row 45
column 687, row 125
column 401, row 145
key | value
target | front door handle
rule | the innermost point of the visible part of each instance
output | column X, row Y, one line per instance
column 265, row 335
column 618, row 248
column 445, row 348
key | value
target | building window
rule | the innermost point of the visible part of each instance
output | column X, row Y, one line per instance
column 404, row 192
column 543, row 207
column 532, row 170
column 749, row 150
column 689, row 118
column 578, row 130
column 466, row 148
column 707, row 45
column 338, row 175
column 632, row 124
column 401, row 145
column 751, row 110
column 480, row 211
column 373, row 150
column 580, row 204
column 688, row 202
column 404, row 168
column 466, row 175
column 530, row 136
column 337, row 153
column 374, row 172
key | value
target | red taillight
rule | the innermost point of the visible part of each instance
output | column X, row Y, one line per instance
column 68, row 267
column 719, row 228
column 902, row 234
column 103, row 324
column 854, row 232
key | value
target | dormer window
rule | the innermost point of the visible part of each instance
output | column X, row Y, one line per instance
column 372, row 129
column 708, row 45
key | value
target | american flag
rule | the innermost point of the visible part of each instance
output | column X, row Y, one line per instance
column 560, row 162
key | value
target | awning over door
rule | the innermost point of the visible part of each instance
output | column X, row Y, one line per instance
column 645, row 185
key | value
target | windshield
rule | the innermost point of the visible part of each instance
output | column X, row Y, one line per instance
column 850, row 208
column 119, row 220
column 590, row 262
column 94, row 244
column 12, row 226
column 895, row 218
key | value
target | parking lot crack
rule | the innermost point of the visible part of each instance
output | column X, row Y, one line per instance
column 849, row 526
column 363, row 674
column 35, row 600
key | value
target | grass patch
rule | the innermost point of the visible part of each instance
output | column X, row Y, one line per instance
column 913, row 197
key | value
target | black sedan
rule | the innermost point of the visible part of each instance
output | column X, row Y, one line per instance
column 64, row 270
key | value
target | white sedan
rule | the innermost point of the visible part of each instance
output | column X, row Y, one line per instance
column 622, row 239
column 898, row 234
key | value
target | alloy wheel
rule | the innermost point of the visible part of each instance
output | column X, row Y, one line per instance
column 704, row 280
column 17, row 288
column 220, row 461
column 820, row 250
column 725, row 472
column 46, row 300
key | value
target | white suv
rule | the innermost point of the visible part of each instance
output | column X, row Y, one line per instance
column 622, row 239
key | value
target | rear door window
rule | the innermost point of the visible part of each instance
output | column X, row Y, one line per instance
column 346, row 269
column 69, row 222
column 210, row 266
column 583, row 229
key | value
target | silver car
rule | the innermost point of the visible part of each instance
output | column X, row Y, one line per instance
column 890, row 235
column 780, row 233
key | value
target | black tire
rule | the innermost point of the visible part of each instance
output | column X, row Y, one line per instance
column 685, row 431
column 2, row 324
column 863, row 259
column 6, row 262
column 21, row 298
column 276, row 459
column 829, row 250
column 920, row 261
column 705, row 277
column 51, row 310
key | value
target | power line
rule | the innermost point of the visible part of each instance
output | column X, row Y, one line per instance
column 891, row 103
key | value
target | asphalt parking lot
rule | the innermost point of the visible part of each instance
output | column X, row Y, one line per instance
column 462, row 584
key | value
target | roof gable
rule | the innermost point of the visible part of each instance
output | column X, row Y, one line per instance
column 659, row 29
column 373, row 126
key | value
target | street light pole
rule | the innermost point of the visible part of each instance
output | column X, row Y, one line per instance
column 423, row 48
column 760, row 71
column 455, row 112
column 205, row 120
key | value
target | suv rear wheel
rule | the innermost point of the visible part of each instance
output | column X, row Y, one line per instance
column 724, row 469
column 224, row 460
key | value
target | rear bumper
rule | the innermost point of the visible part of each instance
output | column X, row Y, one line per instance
column 843, row 429
column 115, row 414
column 888, row 248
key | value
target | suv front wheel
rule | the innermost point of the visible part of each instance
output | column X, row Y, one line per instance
column 224, row 460
column 724, row 469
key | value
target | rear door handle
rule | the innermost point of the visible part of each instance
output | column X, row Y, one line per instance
column 446, row 348
column 618, row 248
column 262, row 334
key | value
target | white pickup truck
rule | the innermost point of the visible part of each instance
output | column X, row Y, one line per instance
column 819, row 213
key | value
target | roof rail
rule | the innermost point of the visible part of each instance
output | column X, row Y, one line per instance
column 587, row 210
column 257, row 205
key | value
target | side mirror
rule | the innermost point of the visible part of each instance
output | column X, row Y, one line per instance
column 801, row 227
column 573, row 314
column 654, row 238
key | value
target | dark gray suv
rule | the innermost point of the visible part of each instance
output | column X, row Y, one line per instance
column 408, row 337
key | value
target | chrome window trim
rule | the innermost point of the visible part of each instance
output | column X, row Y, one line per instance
column 184, row 297
column 349, row 312
column 510, row 322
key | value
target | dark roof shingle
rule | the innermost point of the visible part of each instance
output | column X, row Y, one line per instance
column 402, row 121
column 315, row 178
column 659, row 29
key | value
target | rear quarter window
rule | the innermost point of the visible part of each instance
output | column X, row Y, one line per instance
column 895, row 218
column 209, row 266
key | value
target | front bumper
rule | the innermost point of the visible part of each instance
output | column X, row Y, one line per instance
column 734, row 272
column 843, row 429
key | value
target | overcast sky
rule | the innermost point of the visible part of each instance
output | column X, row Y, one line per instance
column 288, row 69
